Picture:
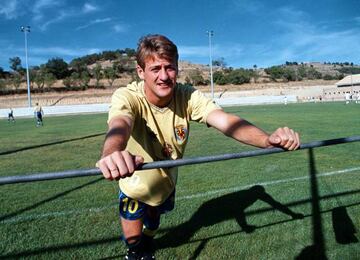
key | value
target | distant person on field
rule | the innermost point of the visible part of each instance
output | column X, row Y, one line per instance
column 149, row 121
column 11, row 115
column 38, row 111
column 358, row 98
column 285, row 100
column 347, row 98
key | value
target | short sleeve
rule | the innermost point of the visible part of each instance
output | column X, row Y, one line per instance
column 123, row 103
column 201, row 106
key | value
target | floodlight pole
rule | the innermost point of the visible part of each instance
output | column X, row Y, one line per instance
column 211, row 34
column 26, row 30
column 351, row 83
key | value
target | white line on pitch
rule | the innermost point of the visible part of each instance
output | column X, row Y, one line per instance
column 223, row 191
column 197, row 195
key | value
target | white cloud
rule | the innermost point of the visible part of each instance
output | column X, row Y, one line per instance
column 229, row 51
column 249, row 6
column 9, row 9
column 40, row 55
column 88, row 8
column 303, row 40
column 120, row 28
column 96, row 21
column 61, row 52
column 290, row 14
column 57, row 19
column 334, row 44
column 191, row 51
column 50, row 8
column 41, row 5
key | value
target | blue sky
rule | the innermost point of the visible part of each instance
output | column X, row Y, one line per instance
column 246, row 32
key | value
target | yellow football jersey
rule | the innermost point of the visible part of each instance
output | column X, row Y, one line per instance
column 157, row 134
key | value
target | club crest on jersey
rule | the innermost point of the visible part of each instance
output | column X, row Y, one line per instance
column 180, row 134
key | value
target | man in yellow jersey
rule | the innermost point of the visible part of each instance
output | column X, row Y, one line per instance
column 149, row 121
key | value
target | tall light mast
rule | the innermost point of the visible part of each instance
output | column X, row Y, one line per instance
column 211, row 34
column 26, row 30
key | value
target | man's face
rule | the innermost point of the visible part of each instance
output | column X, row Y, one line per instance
column 159, row 77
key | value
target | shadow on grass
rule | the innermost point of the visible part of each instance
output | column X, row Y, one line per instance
column 37, row 252
column 344, row 228
column 48, row 144
column 229, row 206
column 11, row 215
column 317, row 249
column 207, row 215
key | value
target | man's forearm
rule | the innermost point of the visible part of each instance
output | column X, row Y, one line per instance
column 117, row 137
column 238, row 128
column 251, row 135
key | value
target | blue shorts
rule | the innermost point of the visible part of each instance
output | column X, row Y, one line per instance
column 133, row 209
column 39, row 115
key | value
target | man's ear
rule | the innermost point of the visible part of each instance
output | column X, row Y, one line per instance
column 140, row 72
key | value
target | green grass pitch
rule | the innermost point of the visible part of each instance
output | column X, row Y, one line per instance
column 237, row 209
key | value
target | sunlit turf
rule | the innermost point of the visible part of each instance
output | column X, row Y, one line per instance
column 77, row 218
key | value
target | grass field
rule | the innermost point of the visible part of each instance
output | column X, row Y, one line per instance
column 219, row 213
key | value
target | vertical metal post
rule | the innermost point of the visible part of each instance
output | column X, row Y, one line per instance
column 351, row 85
column 210, row 34
column 26, row 29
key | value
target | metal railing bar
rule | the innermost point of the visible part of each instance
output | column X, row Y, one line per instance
column 172, row 163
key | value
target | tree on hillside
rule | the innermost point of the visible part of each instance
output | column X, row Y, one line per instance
column 58, row 67
column 2, row 85
column 349, row 70
column 289, row 63
column 110, row 55
column 219, row 62
column 196, row 78
column 312, row 73
column 219, row 78
column 110, row 74
column 39, row 78
column 69, row 83
column 78, row 65
column 16, row 80
column 73, row 81
column 2, row 73
column 302, row 72
column 255, row 73
column 239, row 76
column 15, row 64
column 275, row 72
column 88, row 59
column 97, row 72
column 32, row 75
column 118, row 67
column 49, row 79
column 289, row 74
column 84, row 80
column 130, row 52
column 80, row 80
